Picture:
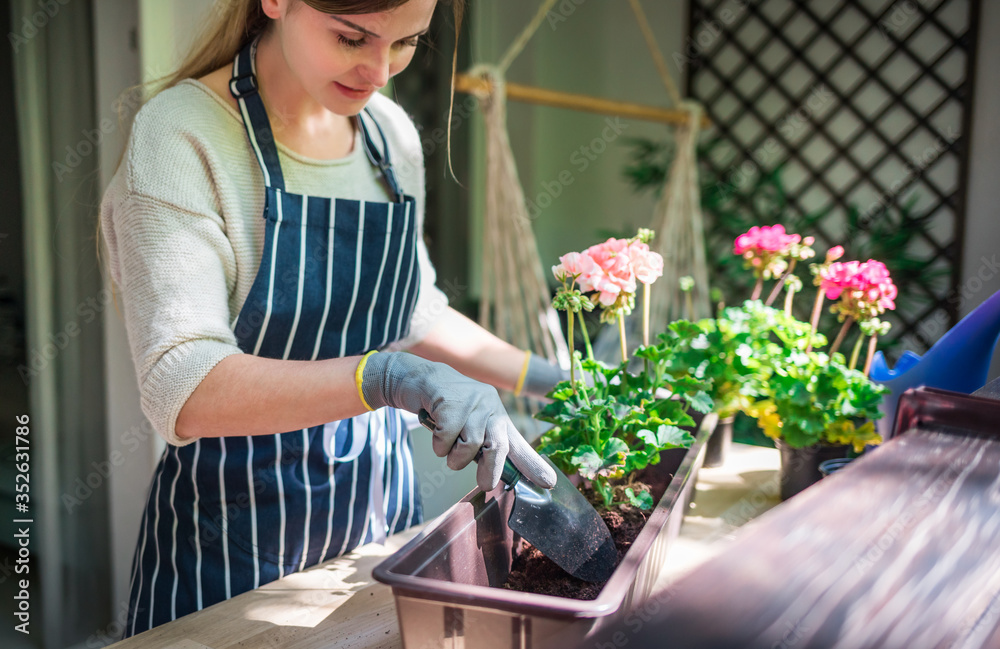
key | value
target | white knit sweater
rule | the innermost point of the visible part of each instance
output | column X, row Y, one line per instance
column 182, row 219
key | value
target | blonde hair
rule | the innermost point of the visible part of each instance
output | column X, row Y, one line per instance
column 237, row 22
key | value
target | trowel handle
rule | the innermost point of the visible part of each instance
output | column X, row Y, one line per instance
column 509, row 476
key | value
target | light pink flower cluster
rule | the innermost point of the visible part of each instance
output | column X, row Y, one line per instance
column 611, row 270
column 865, row 289
column 648, row 265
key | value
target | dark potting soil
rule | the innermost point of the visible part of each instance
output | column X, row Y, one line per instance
column 532, row 572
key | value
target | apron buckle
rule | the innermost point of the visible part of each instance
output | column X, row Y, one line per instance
column 243, row 85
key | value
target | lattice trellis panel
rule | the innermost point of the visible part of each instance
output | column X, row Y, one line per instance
column 863, row 108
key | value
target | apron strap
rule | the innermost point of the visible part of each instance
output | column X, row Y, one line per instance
column 243, row 87
column 380, row 158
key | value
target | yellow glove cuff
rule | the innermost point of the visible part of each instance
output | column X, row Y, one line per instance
column 358, row 373
column 524, row 372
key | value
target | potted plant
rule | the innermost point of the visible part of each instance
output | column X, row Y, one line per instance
column 632, row 441
column 716, row 352
column 608, row 422
column 816, row 405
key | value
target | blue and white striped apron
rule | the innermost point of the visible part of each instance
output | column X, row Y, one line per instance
column 337, row 278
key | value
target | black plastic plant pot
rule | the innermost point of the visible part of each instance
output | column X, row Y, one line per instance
column 718, row 445
column 800, row 466
column 447, row 581
column 829, row 467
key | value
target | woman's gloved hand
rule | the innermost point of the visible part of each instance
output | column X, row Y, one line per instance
column 469, row 415
column 540, row 376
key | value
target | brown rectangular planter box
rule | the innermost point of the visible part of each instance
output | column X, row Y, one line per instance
column 446, row 581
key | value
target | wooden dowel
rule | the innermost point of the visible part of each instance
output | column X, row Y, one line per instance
column 557, row 99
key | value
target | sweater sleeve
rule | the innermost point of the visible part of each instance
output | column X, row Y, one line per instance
column 173, row 264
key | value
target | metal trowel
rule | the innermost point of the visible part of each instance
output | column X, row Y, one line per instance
column 558, row 521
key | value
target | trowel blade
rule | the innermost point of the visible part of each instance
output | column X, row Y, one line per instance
column 565, row 527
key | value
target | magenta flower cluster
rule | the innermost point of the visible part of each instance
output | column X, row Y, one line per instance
column 865, row 288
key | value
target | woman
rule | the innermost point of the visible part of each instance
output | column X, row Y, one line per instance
column 255, row 338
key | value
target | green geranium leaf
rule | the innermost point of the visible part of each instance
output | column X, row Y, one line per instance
column 608, row 464
column 637, row 461
column 642, row 500
column 666, row 436
column 701, row 402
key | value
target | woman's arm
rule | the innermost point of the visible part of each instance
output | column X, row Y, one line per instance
column 472, row 350
column 249, row 395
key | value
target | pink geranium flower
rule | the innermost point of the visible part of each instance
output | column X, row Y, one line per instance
column 573, row 265
column 767, row 238
column 866, row 290
column 614, row 275
column 877, row 285
column 647, row 265
column 838, row 277
column 611, row 270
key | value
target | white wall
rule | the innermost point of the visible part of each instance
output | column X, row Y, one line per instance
column 586, row 47
column 980, row 273
column 117, row 67
column 161, row 31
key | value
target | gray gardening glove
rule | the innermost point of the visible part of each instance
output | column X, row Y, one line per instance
column 468, row 415
column 542, row 376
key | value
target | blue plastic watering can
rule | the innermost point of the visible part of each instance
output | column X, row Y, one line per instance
column 959, row 361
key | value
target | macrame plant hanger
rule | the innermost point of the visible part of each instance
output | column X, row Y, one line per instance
column 677, row 217
column 515, row 302
column 515, row 296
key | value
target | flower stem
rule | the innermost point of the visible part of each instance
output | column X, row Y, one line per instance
column 788, row 301
column 621, row 333
column 757, row 288
column 573, row 363
column 571, row 316
column 645, row 315
column 814, row 319
column 781, row 282
column 848, row 321
column 586, row 338
column 872, row 342
column 856, row 351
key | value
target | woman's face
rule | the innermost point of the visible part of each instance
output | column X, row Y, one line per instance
column 341, row 60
